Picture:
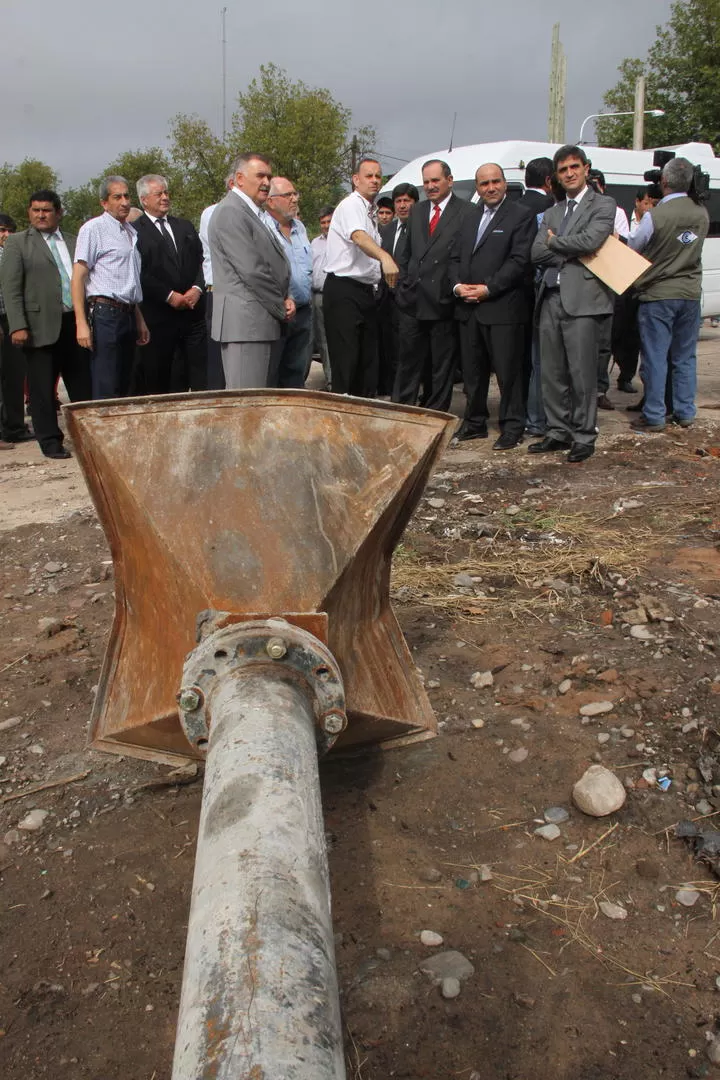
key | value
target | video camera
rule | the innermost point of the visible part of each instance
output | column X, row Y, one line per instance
column 699, row 190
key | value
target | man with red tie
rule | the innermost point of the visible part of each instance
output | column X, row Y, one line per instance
column 428, row 334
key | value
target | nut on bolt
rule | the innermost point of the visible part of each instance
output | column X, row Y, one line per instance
column 276, row 648
column 190, row 699
column 334, row 723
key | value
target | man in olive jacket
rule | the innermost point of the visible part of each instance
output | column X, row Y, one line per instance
column 35, row 277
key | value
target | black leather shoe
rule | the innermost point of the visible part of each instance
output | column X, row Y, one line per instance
column 467, row 433
column 58, row 455
column 634, row 408
column 604, row 402
column 625, row 386
column 507, row 442
column 580, row 452
column 547, row 446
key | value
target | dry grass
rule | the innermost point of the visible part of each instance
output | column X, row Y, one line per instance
column 579, row 547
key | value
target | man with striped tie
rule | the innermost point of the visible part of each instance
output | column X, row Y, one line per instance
column 35, row 277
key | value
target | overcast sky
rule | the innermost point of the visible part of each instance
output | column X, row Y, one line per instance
column 82, row 82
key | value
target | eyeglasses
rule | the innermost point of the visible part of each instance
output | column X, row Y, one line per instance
column 285, row 195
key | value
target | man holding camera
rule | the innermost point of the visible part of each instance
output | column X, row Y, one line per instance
column 671, row 236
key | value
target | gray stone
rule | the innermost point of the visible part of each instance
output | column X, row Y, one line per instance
column 52, row 567
column 481, row 679
column 50, row 627
column 687, row 897
column 713, row 1051
column 516, row 756
column 564, row 686
column 447, row 965
column 430, row 874
column 556, row 815
column 635, row 616
column 612, row 911
column 450, row 988
column 11, row 722
column 598, row 792
column 603, row 737
column 436, row 504
column 383, row 954
column 548, row 832
column 596, row 708
column 703, row 807
column 463, row 581
column 641, row 633
column 33, row 821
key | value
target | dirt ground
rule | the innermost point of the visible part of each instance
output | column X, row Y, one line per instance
column 531, row 570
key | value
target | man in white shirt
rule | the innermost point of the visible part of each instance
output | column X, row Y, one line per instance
column 35, row 275
column 216, row 375
column 355, row 264
column 318, row 248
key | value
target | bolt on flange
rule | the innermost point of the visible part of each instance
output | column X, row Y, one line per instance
column 190, row 699
column 276, row 648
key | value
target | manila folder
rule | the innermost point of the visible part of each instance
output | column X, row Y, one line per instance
column 616, row 264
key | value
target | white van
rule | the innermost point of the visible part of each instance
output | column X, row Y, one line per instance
column 623, row 171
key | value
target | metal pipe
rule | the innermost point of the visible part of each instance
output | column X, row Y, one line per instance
column 259, row 996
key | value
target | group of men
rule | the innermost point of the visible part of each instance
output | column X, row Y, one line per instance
column 139, row 302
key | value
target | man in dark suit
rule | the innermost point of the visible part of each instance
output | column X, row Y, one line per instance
column 538, row 198
column 538, row 195
column 428, row 339
column 394, row 238
column 488, row 273
column 570, row 302
column 173, row 288
column 35, row 276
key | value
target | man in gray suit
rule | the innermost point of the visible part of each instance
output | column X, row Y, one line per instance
column 35, row 275
column 570, row 306
column 251, row 277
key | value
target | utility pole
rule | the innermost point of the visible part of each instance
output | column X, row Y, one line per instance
column 354, row 149
column 639, row 117
column 558, row 81
column 223, row 14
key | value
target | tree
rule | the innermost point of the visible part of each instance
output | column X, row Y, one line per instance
column 682, row 77
column 18, row 182
column 304, row 131
column 201, row 159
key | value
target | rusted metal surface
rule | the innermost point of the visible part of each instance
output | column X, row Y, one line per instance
column 247, row 502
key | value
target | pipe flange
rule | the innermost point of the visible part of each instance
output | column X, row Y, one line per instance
column 273, row 644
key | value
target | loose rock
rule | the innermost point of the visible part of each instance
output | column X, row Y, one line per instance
column 687, row 897
column 548, row 832
column 33, row 821
column 11, row 722
column 430, row 874
column 516, row 756
column 481, row 679
column 430, row 938
column 596, row 708
column 52, row 567
column 450, row 988
column 447, row 965
column 641, row 633
column 556, row 815
column 564, row 686
column 598, row 792
column 612, row 911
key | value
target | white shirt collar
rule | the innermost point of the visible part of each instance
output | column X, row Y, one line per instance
column 155, row 219
column 253, row 206
column 443, row 203
column 579, row 197
column 494, row 209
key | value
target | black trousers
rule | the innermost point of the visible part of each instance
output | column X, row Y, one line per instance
column 176, row 357
column 64, row 358
column 12, row 387
column 351, row 328
column 427, row 353
column 388, row 339
column 626, row 336
column 501, row 349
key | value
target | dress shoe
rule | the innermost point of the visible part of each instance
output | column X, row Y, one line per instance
column 681, row 422
column 547, row 446
column 643, row 424
column 580, row 452
column 634, row 408
column 24, row 435
column 536, row 433
column 604, row 402
column 464, row 434
column 6, row 445
column 60, row 454
column 507, row 442
column 625, row 386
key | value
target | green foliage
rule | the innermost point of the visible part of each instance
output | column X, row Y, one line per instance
column 304, row 131
column 682, row 77
column 18, row 182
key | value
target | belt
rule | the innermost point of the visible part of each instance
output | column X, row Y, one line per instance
column 353, row 281
column 111, row 303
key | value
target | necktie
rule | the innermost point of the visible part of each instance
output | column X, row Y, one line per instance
column 399, row 234
column 482, row 227
column 169, row 242
column 434, row 219
column 64, row 276
column 552, row 276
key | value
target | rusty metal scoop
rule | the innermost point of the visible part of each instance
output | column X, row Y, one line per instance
column 259, row 503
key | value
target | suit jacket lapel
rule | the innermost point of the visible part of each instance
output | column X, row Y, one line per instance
column 445, row 219
column 582, row 210
column 42, row 246
column 497, row 216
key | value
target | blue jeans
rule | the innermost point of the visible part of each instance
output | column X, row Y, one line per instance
column 668, row 332
column 114, row 332
column 292, row 353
